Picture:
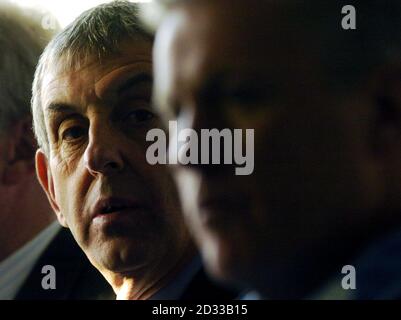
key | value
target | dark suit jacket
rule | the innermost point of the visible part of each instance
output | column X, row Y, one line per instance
column 202, row 288
column 76, row 278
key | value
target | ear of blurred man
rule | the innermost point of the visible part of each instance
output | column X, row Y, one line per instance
column 46, row 181
column 19, row 148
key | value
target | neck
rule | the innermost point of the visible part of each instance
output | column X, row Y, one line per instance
column 142, row 286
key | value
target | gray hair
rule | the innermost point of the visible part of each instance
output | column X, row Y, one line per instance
column 96, row 33
column 22, row 40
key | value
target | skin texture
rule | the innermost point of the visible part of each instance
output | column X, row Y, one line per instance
column 97, row 118
column 326, row 176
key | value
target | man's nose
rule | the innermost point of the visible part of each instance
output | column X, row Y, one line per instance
column 103, row 153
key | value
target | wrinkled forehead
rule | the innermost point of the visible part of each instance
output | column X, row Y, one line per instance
column 60, row 80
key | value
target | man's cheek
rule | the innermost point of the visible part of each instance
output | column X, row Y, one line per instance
column 79, row 226
column 68, row 162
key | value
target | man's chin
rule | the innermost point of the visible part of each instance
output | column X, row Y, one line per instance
column 121, row 255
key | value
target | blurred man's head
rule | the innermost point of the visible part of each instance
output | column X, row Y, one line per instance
column 91, row 109
column 24, row 209
column 326, row 108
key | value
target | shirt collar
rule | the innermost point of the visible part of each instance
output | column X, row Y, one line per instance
column 176, row 287
column 16, row 268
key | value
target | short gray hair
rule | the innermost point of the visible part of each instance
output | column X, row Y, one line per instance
column 22, row 40
column 96, row 33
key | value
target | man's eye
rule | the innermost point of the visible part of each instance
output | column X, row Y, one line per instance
column 139, row 116
column 73, row 133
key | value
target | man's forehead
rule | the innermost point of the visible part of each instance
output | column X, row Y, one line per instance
column 202, row 48
column 197, row 44
column 238, row 13
column 230, row 29
column 93, row 79
column 249, row 27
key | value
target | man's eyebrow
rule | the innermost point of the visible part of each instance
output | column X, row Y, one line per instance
column 138, row 79
column 60, row 108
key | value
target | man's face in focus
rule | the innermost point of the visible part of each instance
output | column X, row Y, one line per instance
column 123, row 212
column 222, row 65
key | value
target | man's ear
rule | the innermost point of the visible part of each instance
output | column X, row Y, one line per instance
column 20, row 151
column 46, row 181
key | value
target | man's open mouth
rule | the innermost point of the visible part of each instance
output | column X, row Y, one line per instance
column 114, row 205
